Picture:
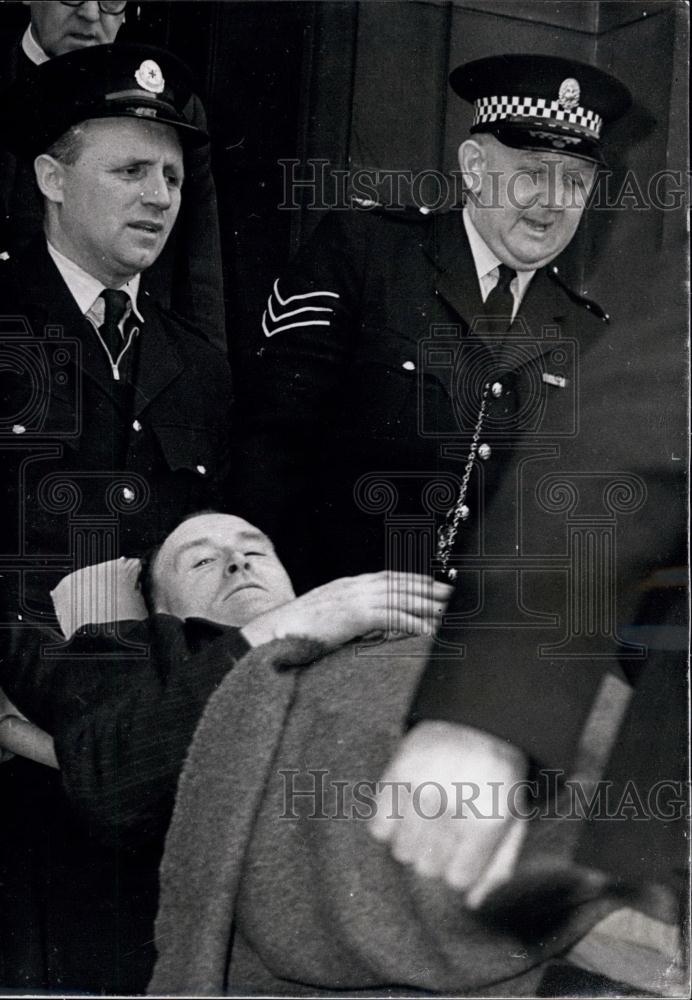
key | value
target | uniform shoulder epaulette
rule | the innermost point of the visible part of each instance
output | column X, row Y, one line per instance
column 581, row 300
column 402, row 212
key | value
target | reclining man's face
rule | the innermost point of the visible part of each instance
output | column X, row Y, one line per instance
column 219, row 567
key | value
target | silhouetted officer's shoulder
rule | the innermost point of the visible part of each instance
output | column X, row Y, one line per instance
column 405, row 214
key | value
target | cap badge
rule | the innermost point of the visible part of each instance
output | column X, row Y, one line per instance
column 150, row 77
column 569, row 94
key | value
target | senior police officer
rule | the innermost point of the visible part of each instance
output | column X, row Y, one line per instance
column 114, row 425
column 407, row 357
column 366, row 385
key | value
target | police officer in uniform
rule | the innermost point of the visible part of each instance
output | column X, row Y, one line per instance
column 375, row 347
column 432, row 389
column 115, row 416
column 187, row 275
column 117, row 378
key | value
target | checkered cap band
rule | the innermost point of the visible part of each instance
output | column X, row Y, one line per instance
column 493, row 109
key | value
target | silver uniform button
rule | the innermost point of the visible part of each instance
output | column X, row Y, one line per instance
column 409, row 366
column 128, row 494
column 464, row 512
column 497, row 389
column 18, row 429
column 484, row 451
column 136, row 426
column 202, row 469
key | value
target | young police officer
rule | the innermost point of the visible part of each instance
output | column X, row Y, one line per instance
column 115, row 419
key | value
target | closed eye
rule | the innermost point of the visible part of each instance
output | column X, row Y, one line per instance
column 133, row 170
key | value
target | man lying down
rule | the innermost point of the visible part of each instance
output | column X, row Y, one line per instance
column 122, row 702
column 292, row 780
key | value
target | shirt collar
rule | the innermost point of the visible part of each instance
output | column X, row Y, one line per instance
column 32, row 50
column 85, row 288
column 486, row 261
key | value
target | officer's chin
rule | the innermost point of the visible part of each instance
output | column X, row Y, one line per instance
column 531, row 257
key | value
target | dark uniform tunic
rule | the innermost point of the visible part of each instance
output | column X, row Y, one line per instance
column 363, row 392
column 97, row 467
column 93, row 468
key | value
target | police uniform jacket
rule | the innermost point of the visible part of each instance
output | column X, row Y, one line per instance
column 93, row 468
column 362, row 393
column 128, row 458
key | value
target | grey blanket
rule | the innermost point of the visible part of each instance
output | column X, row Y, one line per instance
column 264, row 891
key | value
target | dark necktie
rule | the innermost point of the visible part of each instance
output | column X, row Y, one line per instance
column 116, row 306
column 499, row 304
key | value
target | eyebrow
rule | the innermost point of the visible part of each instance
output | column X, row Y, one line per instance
column 243, row 537
column 144, row 161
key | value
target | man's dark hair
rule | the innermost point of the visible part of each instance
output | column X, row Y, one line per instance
column 67, row 149
column 145, row 580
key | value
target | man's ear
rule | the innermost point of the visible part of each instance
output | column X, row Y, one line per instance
column 472, row 163
column 50, row 177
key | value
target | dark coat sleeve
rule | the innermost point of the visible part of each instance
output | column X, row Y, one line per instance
column 289, row 380
column 122, row 711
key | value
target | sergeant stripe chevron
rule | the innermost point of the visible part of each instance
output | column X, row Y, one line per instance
column 279, row 310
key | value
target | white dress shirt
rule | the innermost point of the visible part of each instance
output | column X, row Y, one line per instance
column 86, row 291
column 487, row 267
column 32, row 50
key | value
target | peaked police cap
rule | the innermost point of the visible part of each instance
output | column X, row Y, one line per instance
column 542, row 102
column 102, row 81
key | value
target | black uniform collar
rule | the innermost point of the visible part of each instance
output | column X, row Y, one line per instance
column 457, row 282
column 543, row 304
column 51, row 304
